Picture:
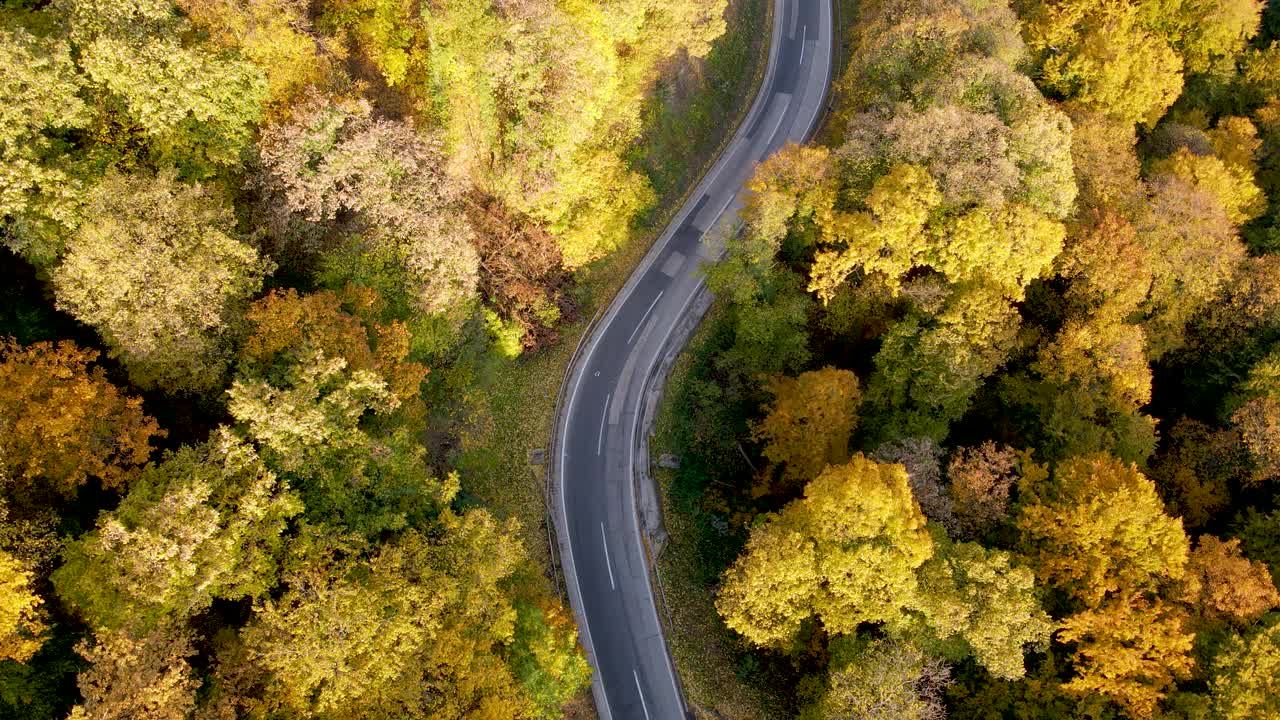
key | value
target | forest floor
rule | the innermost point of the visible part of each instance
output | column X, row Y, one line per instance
column 695, row 109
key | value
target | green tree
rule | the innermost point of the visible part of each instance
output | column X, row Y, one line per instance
column 205, row 523
column 1258, row 418
column 135, row 53
column 544, row 657
column 1090, row 382
column 332, row 428
column 413, row 628
column 159, row 272
column 930, row 364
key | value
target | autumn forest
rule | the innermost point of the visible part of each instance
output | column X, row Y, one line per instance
column 984, row 421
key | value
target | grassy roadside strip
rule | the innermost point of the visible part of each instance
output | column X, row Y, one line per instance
column 513, row 404
column 706, row 653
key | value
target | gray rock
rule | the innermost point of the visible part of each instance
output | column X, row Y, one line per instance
column 537, row 456
column 668, row 461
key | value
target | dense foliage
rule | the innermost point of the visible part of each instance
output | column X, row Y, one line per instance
column 257, row 249
column 990, row 411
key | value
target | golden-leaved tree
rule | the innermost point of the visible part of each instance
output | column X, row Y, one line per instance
column 809, row 422
column 63, row 423
column 1097, row 527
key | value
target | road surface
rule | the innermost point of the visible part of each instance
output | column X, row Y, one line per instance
column 594, row 495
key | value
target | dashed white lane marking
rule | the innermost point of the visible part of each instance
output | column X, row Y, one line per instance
column 607, row 563
column 804, row 32
column 645, row 317
column 643, row 705
column 783, row 100
column 604, row 415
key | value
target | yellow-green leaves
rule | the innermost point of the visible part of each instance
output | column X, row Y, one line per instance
column 1246, row 675
column 847, row 553
column 159, row 271
column 979, row 598
column 206, row 523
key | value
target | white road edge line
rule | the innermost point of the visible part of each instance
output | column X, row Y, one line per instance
column 604, row 539
column 643, row 705
column 631, row 464
column 760, row 103
column 804, row 33
column 604, row 416
column 568, row 539
column 645, row 317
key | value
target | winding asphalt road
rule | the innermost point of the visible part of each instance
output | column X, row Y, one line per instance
column 594, row 490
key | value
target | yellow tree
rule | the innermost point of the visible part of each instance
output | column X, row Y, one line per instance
column 1097, row 527
column 846, row 553
column 64, row 422
column 1232, row 184
column 888, row 240
column 1129, row 650
column 767, row 594
column 794, row 182
column 288, row 327
column 1100, row 54
column 22, row 625
column 809, row 422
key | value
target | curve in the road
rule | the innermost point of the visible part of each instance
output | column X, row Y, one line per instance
column 594, row 493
